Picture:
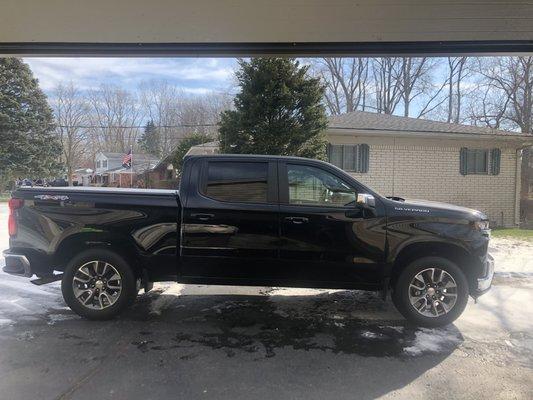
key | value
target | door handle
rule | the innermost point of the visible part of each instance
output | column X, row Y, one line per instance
column 360, row 214
column 357, row 213
column 297, row 220
column 203, row 217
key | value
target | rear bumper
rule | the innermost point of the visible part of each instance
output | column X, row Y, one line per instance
column 17, row 264
column 484, row 283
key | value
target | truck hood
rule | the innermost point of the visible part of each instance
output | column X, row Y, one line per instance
column 424, row 206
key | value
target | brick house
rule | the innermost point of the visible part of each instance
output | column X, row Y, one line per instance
column 471, row 166
column 466, row 165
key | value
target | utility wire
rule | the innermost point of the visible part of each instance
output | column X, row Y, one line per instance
column 136, row 126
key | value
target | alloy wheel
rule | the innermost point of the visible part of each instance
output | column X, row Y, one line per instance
column 97, row 285
column 433, row 292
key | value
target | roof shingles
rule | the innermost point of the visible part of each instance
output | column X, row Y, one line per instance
column 373, row 121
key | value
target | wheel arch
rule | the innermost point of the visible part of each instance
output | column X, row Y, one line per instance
column 450, row 251
column 74, row 244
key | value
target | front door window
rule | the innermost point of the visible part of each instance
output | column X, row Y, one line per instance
column 311, row 186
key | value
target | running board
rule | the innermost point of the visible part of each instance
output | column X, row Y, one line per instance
column 47, row 279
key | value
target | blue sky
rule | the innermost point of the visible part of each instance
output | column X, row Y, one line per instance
column 192, row 75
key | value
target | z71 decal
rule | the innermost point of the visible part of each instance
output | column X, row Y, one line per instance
column 50, row 197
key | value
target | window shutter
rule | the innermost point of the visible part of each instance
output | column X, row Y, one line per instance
column 328, row 152
column 363, row 158
column 463, row 160
column 495, row 155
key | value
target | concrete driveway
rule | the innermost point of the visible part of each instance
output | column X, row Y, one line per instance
column 199, row 342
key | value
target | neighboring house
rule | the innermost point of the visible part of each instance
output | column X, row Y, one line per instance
column 205, row 148
column 165, row 175
column 109, row 170
column 399, row 156
column 82, row 176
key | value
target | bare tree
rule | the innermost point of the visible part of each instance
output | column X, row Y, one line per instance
column 201, row 113
column 446, row 96
column 71, row 113
column 346, row 83
column 414, row 80
column 115, row 118
column 508, row 84
column 457, row 71
column 505, row 93
column 161, row 101
column 177, row 114
column 487, row 107
column 392, row 81
column 387, row 73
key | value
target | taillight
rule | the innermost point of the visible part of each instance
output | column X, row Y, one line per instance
column 13, row 204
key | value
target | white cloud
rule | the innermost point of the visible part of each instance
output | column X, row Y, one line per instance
column 193, row 75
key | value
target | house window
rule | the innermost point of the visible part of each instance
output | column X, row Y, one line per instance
column 479, row 161
column 104, row 164
column 351, row 158
column 98, row 164
column 241, row 182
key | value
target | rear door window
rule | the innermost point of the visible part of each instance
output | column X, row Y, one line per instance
column 239, row 182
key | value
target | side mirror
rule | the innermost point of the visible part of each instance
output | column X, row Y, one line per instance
column 365, row 200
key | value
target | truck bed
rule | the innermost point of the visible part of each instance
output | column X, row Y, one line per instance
column 54, row 221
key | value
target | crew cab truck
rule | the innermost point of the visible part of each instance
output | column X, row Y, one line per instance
column 250, row 220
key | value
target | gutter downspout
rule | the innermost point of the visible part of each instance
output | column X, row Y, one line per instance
column 393, row 165
column 518, row 184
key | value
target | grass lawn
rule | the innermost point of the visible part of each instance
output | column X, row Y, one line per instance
column 513, row 233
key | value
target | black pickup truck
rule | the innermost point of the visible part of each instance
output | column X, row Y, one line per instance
column 250, row 220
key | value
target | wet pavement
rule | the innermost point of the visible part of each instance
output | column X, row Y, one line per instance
column 190, row 342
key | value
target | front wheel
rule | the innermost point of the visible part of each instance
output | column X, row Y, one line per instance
column 431, row 292
column 98, row 284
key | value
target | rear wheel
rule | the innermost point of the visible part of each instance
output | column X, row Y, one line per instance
column 98, row 284
column 431, row 291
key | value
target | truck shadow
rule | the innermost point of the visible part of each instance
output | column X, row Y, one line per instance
column 348, row 322
column 344, row 340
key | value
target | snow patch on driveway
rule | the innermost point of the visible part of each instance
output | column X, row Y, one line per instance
column 19, row 298
column 432, row 341
column 512, row 257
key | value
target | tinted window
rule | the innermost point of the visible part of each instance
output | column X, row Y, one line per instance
column 314, row 186
column 243, row 182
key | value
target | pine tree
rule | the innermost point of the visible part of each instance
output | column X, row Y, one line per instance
column 278, row 111
column 149, row 140
column 28, row 145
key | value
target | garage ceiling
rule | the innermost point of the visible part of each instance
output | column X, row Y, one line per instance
column 236, row 27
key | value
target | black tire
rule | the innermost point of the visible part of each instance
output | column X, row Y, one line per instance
column 127, row 294
column 400, row 293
